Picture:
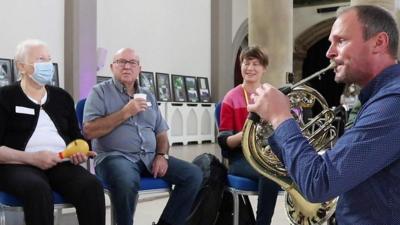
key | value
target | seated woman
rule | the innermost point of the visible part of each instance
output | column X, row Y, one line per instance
column 37, row 121
column 233, row 116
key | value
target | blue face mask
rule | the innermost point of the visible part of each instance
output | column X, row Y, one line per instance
column 43, row 73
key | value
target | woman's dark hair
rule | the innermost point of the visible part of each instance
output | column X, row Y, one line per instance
column 254, row 53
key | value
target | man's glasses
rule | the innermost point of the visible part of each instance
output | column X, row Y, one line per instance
column 123, row 62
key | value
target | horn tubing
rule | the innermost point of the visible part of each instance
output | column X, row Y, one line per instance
column 286, row 90
column 331, row 66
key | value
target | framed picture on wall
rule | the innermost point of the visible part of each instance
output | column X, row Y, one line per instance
column 204, row 90
column 146, row 81
column 100, row 79
column 191, row 89
column 6, row 77
column 178, row 88
column 55, row 80
column 15, row 74
column 163, row 87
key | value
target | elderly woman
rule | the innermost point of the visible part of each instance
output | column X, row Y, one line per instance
column 37, row 121
column 233, row 115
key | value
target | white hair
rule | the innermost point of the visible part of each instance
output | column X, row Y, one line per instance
column 24, row 48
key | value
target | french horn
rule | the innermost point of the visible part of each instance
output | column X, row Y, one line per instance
column 319, row 131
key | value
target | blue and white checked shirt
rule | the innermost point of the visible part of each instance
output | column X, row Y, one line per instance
column 363, row 168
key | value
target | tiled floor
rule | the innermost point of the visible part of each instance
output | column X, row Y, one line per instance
column 150, row 207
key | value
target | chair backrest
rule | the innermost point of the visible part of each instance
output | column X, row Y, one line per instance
column 80, row 106
column 79, row 111
column 217, row 113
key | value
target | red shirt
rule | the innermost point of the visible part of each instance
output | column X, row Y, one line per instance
column 233, row 110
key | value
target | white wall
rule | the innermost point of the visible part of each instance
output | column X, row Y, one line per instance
column 39, row 19
column 171, row 36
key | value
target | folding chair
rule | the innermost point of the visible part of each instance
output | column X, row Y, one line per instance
column 12, row 203
column 239, row 187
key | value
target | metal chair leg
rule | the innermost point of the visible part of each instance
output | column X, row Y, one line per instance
column 112, row 214
column 235, row 209
column 57, row 216
column 2, row 216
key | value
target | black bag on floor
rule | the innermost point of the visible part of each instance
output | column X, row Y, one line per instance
column 246, row 215
column 209, row 198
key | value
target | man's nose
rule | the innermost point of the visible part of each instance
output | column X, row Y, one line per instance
column 127, row 65
column 331, row 53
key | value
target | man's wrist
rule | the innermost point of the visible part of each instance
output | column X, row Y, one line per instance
column 125, row 114
column 164, row 155
column 279, row 120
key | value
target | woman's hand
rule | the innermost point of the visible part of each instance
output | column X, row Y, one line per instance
column 43, row 159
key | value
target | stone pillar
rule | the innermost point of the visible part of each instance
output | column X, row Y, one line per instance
column 80, row 47
column 271, row 27
column 222, row 67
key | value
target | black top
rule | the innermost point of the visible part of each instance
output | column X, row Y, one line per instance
column 19, row 115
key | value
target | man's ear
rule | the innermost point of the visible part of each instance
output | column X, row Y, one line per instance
column 381, row 43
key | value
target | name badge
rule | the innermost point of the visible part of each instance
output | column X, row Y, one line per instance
column 24, row 110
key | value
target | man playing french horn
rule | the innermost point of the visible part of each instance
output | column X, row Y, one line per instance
column 363, row 168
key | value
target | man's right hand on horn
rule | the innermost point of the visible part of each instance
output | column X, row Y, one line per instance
column 271, row 105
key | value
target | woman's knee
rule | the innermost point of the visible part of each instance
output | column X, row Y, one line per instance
column 90, row 182
column 269, row 185
column 36, row 189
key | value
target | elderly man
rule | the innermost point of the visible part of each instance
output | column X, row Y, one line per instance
column 130, row 137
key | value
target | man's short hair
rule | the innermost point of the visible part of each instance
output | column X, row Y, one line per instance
column 376, row 19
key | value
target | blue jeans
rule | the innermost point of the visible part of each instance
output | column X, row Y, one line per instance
column 267, row 189
column 123, row 176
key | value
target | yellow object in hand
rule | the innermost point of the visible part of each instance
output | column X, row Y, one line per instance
column 75, row 146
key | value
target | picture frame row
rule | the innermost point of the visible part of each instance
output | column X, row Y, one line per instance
column 9, row 73
column 177, row 88
column 173, row 88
